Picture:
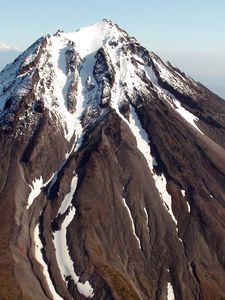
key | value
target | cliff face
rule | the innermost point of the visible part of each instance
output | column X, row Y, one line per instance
column 112, row 182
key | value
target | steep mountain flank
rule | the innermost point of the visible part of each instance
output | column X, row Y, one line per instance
column 112, row 182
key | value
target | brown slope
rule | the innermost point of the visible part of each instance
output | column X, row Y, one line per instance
column 101, row 239
column 193, row 162
column 120, row 250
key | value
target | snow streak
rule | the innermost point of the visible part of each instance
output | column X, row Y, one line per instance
column 132, row 222
column 39, row 256
column 64, row 260
column 170, row 292
column 144, row 147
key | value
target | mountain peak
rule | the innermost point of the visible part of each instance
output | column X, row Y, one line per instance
column 112, row 173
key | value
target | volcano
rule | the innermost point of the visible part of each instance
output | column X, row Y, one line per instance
column 112, row 182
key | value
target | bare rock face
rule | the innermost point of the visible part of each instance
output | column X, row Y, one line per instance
column 112, row 182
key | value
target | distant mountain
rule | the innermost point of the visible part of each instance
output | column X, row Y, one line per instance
column 112, row 182
column 7, row 56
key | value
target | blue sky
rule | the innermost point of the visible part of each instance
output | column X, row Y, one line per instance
column 190, row 34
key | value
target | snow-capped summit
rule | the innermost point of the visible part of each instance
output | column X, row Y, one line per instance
column 58, row 69
column 112, row 173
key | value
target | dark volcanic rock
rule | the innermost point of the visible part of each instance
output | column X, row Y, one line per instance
column 112, row 174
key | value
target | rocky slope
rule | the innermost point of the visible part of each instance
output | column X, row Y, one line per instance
column 112, row 182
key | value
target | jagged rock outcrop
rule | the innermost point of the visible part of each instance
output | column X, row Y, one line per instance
column 112, row 174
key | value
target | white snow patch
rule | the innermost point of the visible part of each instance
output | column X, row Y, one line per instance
column 60, row 82
column 68, row 198
column 39, row 257
column 14, row 85
column 88, row 39
column 64, row 260
column 189, row 208
column 151, row 75
column 29, row 59
column 160, row 182
column 141, row 137
column 35, row 191
column 86, row 42
column 62, row 253
column 146, row 215
column 170, row 292
column 189, row 117
column 49, row 180
column 144, row 147
column 177, row 82
column 83, row 94
column 85, row 289
column 188, row 205
column 36, row 188
column 132, row 222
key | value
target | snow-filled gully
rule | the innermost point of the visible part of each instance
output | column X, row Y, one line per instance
column 184, row 113
column 73, row 124
column 38, row 184
column 39, row 256
column 56, row 73
column 64, row 260
column 60, row 82
column 143, row 145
